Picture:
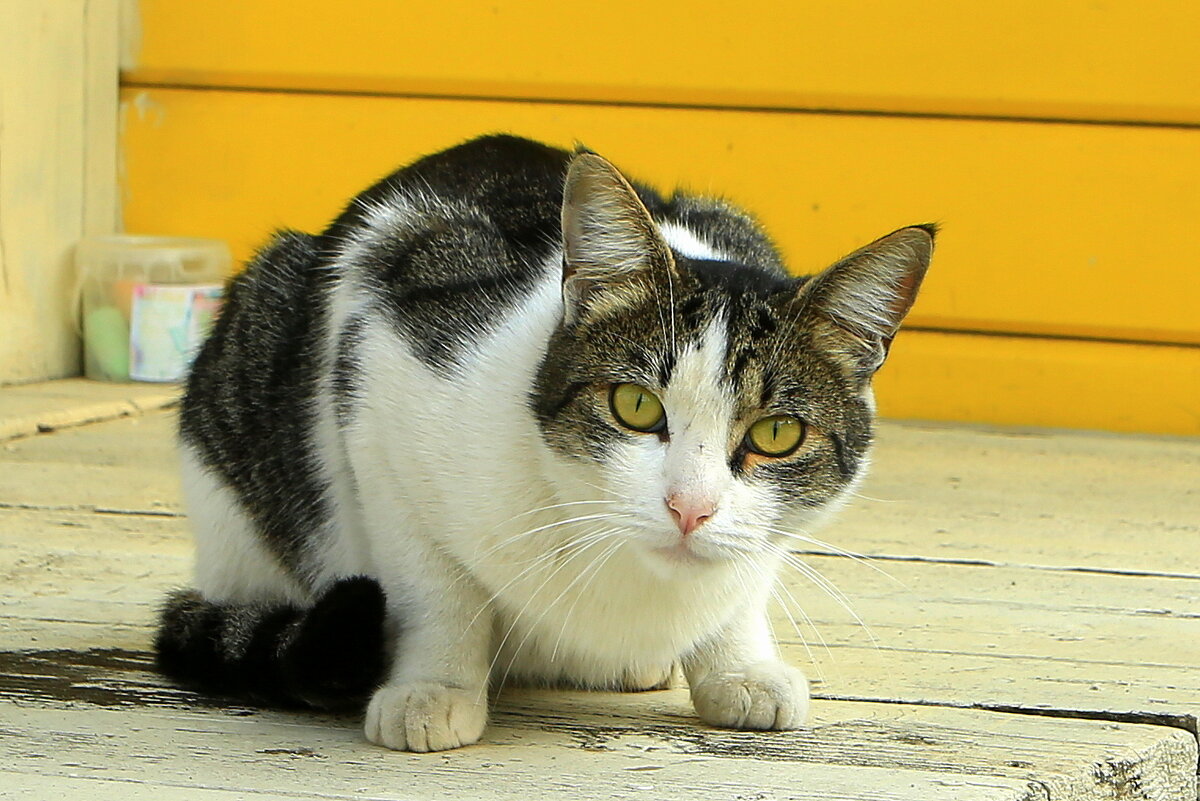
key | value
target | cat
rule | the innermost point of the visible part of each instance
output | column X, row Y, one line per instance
column 514, row 417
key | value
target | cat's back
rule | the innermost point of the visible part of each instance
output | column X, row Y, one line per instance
column 499, row 190
column 440, row 247
column 258, row 356
column 518, row 183
column 447, row 246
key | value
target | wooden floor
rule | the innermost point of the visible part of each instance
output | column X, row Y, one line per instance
column 1030, row 629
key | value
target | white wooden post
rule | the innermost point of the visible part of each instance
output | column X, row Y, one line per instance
column 58, row 173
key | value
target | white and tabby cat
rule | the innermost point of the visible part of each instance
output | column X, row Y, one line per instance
column 513, row 417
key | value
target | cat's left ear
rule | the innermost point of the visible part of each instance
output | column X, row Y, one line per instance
column 867, row 294
column 608, row 238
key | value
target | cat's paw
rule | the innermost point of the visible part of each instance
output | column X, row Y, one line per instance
column 424, row 716
column 768, row 695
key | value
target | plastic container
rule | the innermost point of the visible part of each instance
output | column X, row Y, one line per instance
column 147, row 303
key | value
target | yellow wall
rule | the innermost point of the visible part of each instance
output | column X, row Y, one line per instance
column 1058, row 143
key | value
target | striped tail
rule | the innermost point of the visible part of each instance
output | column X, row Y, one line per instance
column 328, row 656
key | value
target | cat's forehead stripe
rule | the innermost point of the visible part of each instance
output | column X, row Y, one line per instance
column 698, row 383
column 753, row 340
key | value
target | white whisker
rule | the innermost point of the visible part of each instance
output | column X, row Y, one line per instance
column 555, row 524
column 831, row 589
column 538, row 509
column 579, row 595
column 809, row 621
column 541, row 559
column 532, row 597
column 878, row 500
column 857, row 557
column 605, row 490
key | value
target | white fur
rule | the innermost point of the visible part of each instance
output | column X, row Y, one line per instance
column 685, row 241
column 232, row 564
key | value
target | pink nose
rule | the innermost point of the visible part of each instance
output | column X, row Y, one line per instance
column 689, row 513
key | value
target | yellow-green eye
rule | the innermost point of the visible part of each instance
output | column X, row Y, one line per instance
column 637, row 408
column 779, row 435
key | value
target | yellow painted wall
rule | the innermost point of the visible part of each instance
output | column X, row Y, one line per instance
column 1066, row 286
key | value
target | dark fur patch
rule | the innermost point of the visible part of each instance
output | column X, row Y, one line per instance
column 346, row 369
column 466, row 257
column 248, row 405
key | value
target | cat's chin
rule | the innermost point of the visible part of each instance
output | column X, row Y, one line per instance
column 683, row 558
column 681, row 554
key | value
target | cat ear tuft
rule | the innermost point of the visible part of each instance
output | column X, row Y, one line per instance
column 868, row 293
column 608, row 235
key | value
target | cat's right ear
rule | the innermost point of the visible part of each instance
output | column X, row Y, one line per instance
column 608, row 238
column 866, row 295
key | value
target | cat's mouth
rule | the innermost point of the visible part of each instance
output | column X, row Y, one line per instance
column 682, row 553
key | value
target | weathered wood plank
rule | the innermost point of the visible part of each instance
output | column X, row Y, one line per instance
column 38, row 787
column 603, row 745
column 1062, row 499
column 125, row 464
column 30, row 409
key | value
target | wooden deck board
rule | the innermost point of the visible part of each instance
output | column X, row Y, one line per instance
column 102, row 714
column 1046, row 573
column 28, row 409
column 1062, row 499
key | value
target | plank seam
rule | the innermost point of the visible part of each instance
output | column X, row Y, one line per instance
column 99, row 510
column 984, row 332
column 142, row 83
column 937, row 560
column 81, row 414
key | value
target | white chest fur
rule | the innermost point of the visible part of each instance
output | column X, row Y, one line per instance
column 456, row 462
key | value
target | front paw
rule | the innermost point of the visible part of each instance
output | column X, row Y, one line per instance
column 424, row 716
column 768, row 695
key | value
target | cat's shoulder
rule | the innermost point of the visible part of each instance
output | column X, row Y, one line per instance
column 499, row 175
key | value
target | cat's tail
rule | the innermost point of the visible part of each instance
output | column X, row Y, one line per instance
column 330, row 655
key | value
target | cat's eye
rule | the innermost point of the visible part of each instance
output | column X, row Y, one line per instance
column 637, row 407
column 778, row 435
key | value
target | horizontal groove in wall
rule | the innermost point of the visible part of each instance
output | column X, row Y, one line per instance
column 1033, row 332
column 484, row 92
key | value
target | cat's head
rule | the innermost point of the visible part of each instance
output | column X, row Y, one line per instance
column 712, row 398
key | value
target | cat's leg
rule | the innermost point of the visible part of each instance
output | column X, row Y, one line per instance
column 436, row 694
column 738, row 681
column 233, row 565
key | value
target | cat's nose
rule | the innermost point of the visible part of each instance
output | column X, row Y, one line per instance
column 689, row 513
